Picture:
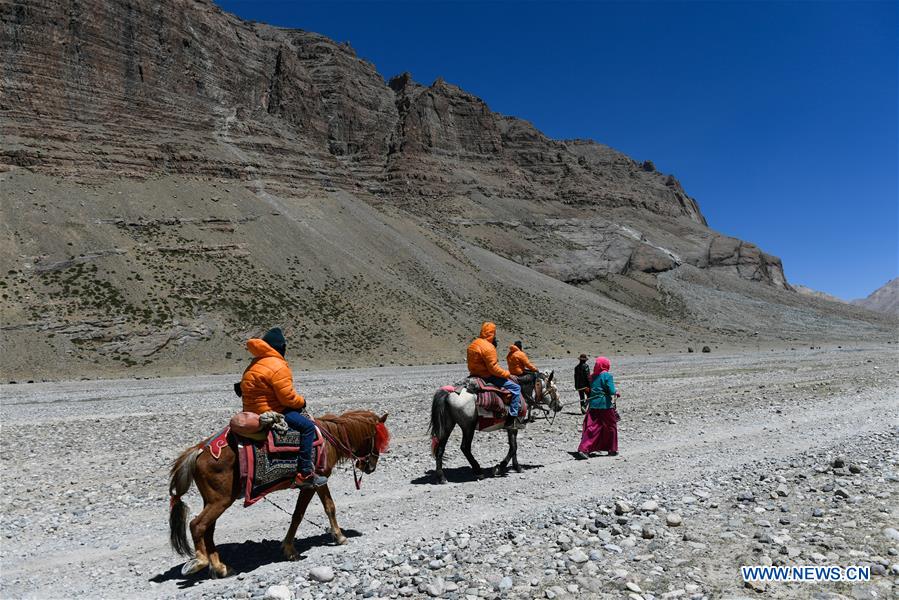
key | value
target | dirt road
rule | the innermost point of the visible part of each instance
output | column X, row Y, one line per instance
column 84, row 474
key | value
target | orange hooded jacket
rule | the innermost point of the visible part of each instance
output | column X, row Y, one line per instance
column 267, row 384
column 482, row 361
column 518, row 361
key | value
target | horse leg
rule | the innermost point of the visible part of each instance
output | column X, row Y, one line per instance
column 215, row 479
column 501, row 467
column 290, row 553
column 438, row 454
column 324, row 494
column 202, row 524
column 467, row 437
column 200, row 560
column 217, row 568
column 514, row 443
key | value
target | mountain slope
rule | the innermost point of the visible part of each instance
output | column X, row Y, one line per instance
column 176, row 179
column 884, row 299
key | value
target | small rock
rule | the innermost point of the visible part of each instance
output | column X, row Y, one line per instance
column 649, row 506
column 322, row 574
column 673, row 520
column 278, row 592
column 633, row 587
column 891, row 534
column 706, row 349
column 622, row 507
column 839, row 462
column 756, row 586
column 576, row 555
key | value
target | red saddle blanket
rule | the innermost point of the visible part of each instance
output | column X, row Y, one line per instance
column 492, row 402
column 490, row 397
column 269, row 464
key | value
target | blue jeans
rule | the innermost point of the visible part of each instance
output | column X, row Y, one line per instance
column 513, row 387
column 301, row 423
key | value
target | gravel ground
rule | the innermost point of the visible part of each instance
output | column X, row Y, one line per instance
column 779, row 457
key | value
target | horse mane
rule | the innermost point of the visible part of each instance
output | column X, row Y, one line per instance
column 355, row 426
column 382, row 438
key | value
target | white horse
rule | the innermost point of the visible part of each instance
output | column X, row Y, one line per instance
column 449, row 409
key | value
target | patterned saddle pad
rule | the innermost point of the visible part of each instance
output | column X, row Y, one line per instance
column 490, row 398
column 268, row 464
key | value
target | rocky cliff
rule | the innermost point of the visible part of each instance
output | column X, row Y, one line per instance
column 176, row 178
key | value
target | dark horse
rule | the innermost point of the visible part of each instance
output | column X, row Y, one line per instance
column 449, row 409
column 357, row 435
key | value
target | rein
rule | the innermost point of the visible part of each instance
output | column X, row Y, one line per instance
column 540, row 394
column 344, row 446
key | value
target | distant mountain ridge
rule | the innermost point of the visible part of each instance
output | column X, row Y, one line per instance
column 807, row 291
column 884, row 299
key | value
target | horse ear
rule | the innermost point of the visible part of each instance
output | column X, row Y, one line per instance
column 551, row 373
column 383, row 418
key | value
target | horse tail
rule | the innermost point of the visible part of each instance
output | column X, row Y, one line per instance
column 441, row 422
column 180, row 478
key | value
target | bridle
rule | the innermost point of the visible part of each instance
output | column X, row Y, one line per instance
column 544, row 388
column 360, row 463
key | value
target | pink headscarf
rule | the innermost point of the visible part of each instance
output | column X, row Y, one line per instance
column 601, row 365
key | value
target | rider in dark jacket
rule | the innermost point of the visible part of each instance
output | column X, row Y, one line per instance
column 582, row 380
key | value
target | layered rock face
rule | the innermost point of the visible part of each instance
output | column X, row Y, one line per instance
column 99, row 88
column 174, row 175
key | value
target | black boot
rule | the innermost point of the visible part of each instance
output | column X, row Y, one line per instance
column 512, row 422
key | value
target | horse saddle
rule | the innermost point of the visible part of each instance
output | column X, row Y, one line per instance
column 489, row 396
column 272, row 441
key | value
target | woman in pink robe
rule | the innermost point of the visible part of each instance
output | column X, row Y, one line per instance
column 601, row 421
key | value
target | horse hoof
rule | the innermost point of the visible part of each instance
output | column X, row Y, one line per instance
column 480, row 476
column 441, row 480
column 213, row 574
column 193, row 566
column 517, row 469
column 340, row 540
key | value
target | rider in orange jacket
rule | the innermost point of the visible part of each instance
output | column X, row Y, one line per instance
column 483, row 363
column 267, row 385
column 518, row 361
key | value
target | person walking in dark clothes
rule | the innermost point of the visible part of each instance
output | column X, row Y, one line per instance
column 582, row 381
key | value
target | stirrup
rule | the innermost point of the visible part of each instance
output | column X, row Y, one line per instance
column 311, row 480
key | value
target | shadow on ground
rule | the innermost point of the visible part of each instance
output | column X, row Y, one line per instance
column 462, row 474
column 576, row 455
column 248, row 556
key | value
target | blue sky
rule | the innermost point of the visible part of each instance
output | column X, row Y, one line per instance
column 780, row 118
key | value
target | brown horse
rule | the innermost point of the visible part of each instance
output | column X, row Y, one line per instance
column 357, row 435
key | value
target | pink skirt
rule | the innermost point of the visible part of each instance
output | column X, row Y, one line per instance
column 600, row 431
